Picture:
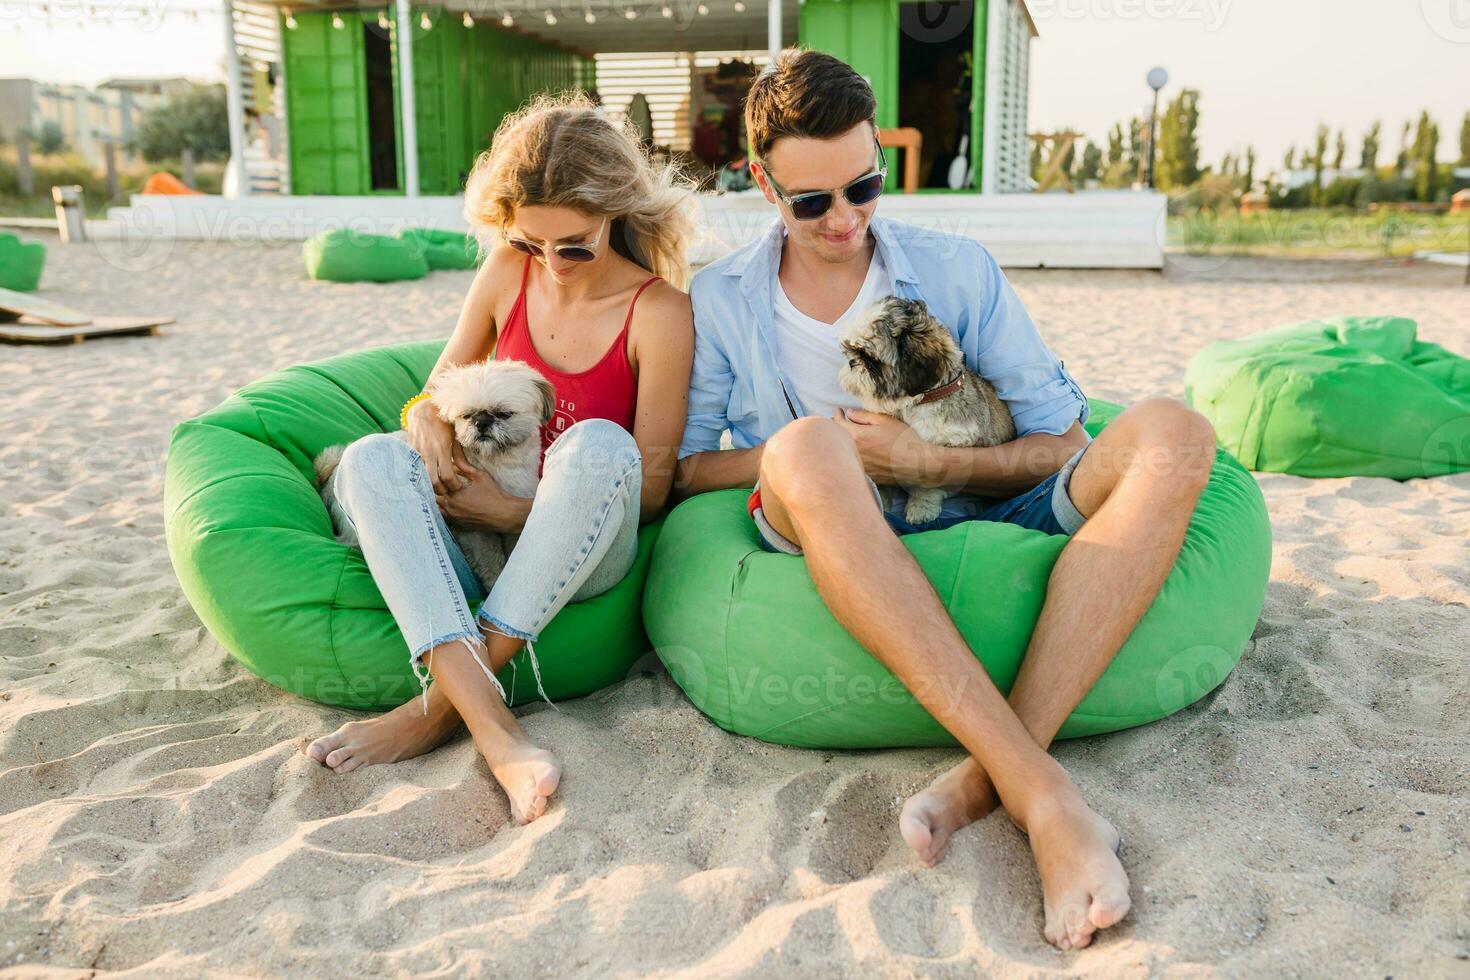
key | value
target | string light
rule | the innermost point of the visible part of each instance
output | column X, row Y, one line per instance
column 740, row 6
column 424, row 22
column 630, row 13
column 507, row 20
column 667, row 11
column 550, row 18
column 590, row 17
column 467, row 20
column 290, row 18
column 337, row 24
column 383, row 22
column 701, row 10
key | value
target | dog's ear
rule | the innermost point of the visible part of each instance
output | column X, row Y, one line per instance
column 548, row 399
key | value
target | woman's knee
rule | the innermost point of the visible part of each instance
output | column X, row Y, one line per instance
column 375, row 459
column 595, row 447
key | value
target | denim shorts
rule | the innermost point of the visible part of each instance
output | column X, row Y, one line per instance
column 1045, row 507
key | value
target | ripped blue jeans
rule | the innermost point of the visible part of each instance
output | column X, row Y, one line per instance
column 579, row 541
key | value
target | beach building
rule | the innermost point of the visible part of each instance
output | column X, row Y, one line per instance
column 390, row 104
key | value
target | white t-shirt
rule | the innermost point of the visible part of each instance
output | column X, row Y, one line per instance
column 807, row 349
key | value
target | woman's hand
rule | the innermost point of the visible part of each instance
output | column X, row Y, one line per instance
column 483, row 506
column 433, row 439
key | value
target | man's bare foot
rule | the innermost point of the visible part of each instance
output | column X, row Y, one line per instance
column 1082, row 881
column 954, row 800
column 527, row 774
column 403, row 733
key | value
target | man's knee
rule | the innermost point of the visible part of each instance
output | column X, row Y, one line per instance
column 1171, row 440
column 809, row 458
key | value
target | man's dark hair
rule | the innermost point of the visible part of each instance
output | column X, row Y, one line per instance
column 808, row 94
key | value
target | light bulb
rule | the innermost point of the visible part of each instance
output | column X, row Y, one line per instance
column 424, row 22
column 701, row 10
column 740, row 6
column 507, row 20
column 383, row 22
column 667, row 11
column 467, row 20
column 590, row 17
column 550, row 18
column 630, row 13
column 337, row 22
column 290, row 18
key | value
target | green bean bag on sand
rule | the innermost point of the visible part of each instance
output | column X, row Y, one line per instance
column 746, row 636
column 252, row 545
column 21, row 263
column 1352, row 396
column 445, row 249
column 353, row 256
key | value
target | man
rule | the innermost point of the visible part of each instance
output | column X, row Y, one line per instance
column 766, row 363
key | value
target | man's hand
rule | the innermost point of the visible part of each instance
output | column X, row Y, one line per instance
column 481, row 505
column 892, row 453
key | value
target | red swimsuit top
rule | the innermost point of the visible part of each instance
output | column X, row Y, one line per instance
column 606, row 390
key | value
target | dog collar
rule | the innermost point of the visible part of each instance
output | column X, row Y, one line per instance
column 943, row 391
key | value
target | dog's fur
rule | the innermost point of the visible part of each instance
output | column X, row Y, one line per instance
column 896, row 351
column 497, row 409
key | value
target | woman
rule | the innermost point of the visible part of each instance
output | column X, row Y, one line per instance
column 580, row 286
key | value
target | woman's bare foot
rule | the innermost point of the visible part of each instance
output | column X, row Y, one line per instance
column 403, row 733
column 527, row 774
column 1082, row 881
column 954, row 800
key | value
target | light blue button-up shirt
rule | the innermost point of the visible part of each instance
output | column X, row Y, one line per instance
column 738, row 385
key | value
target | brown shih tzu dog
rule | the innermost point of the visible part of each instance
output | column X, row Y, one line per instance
column 903, row 362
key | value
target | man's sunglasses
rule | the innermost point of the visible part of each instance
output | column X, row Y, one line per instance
column 572, row 253
column 811, row 205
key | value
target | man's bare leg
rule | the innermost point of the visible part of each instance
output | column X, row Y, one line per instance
column 1137, row 486
column 460, row 692
column 814, row 492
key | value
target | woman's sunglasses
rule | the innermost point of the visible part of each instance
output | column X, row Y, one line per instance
column 572, row 253
column 811, row 205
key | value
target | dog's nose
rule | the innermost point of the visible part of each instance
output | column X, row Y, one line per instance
column 484, row 421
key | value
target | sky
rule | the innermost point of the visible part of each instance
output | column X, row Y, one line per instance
column 1268, row 71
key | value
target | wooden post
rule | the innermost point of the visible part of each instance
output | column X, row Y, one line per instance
column 186, row 167
column 109, row 160
column 24, row 179
column 71, row 219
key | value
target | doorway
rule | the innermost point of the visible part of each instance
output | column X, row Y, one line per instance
column 935, row 63
column 382, row 116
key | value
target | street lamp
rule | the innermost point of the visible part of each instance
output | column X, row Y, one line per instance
column 1157, row 79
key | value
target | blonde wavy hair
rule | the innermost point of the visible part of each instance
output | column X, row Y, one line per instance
column 560, row 151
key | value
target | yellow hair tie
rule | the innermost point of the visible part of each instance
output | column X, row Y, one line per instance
column 403, row 415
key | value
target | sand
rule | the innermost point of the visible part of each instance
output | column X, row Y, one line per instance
column 157, row 815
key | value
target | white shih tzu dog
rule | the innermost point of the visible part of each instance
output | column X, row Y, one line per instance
column 497, row 409
column 903, row 362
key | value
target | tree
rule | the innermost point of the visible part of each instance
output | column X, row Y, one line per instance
column 1426, row 143
column 1318, row 156
column 1369, row 160
column 1249, row 179
column 1402, row 162
column 1339, row 151
column 194, row 118
column 1178, row 142
column 1115, row 143
column 1290, row 159
column 50, row 139
column 1092, row 161
column 1465, row 141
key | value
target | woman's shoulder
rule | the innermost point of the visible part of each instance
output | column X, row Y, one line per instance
column 663, row 307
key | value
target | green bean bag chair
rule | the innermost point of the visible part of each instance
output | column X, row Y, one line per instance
column 21, row 263
column 252, row 545
column 746, row 636
column 353, row 256
column 1351, row 396
column 445, row 249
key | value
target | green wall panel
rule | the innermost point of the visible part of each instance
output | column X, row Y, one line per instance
column 326, row 105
